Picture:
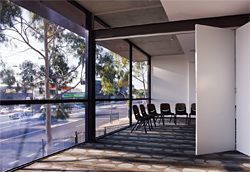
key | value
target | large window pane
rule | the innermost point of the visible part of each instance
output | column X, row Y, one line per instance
column 139, row 75
column 110, row 116
column 22, row 131
column 112, row 69
column 39, row 59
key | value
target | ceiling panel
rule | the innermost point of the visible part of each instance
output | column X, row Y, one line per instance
column 118, row 13
column 191, row 9
column 159, row 45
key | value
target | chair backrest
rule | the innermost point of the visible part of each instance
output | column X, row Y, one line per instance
column 151, row 109
column 180, row 108
column 165, row 108
column 193, row 109
column 136, row 112
column 143, row 110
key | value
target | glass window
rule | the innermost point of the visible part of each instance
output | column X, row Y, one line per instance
column 22, row 131
column 39, row 59
column 112, row 69
column 110, row 116
column 139, row 75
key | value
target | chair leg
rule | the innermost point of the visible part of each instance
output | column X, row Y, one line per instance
column 162, row 117
column 187, row 119
column 134, row 126
column 158, row 117
column 145, row 126
column 175, row 119
column 151, row 123
column 139, row 125
column 149, row 127
column 154, row 121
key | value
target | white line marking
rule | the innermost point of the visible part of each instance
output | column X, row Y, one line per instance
column 79, row 126
column 19, row 136
column 13, row 162
column 30, row 155
column 66, row 140
column 56, row 144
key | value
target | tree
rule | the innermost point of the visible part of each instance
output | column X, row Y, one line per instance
column 139, row 72
column 28, row 75
column 112, row 70
column 7, row 75
column 7, row 14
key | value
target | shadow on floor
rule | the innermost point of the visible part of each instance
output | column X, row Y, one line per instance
column 165, row 148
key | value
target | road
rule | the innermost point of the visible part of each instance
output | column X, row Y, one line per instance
column 22, row 141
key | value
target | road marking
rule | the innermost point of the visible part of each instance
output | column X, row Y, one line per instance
column 30, row 155
column 42, row 130
column 56, row 144
column 66, row 140
column 23, row 123
column 13, row 162
column 19, row 136
column 79, row 126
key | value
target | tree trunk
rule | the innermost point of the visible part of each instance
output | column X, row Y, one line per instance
column 47, row 89
column 143, row 81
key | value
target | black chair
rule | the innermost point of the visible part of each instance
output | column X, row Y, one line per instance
column 180, row 109
column 166, row 111
column 152, row 111
column 140, row 120
column 144, row 114
column 192, row 111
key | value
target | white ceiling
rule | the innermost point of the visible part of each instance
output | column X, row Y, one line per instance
column 118, row 13
column 193, row 9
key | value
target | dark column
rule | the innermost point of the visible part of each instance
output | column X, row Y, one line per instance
column 90, row 110
column 149, row 78
column 130, row 82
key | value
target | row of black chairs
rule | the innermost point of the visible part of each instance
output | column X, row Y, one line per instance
column 144, row 118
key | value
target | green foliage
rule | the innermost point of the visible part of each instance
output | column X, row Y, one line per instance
column 28, row 74
column 7, row 75
column 112, row 70
column 8, row 12
column 61, row 113
column 139, row 72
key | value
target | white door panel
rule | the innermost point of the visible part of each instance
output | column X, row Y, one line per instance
column 215, row 85
column 243, row 88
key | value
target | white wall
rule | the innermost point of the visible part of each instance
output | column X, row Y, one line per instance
column 243, row 88
column 215, row 83
column 170, row 80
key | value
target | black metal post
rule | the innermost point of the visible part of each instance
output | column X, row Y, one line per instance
column 130, row 82
column 90, row 110
column 149, row 79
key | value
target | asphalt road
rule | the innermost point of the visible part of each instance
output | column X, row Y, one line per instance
column 22, row 141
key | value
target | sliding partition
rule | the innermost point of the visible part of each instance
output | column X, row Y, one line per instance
column 215, row 84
